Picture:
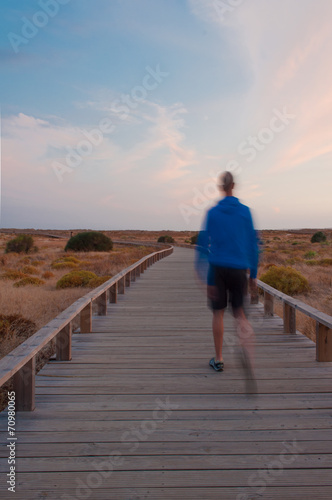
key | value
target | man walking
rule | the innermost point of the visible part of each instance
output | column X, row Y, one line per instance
column 229, row 242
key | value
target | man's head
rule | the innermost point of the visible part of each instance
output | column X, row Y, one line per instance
column 227, row 183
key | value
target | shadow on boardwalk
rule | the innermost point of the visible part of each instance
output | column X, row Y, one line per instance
column 139, row 414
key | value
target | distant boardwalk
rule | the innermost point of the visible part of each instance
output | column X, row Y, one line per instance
column 139, row 414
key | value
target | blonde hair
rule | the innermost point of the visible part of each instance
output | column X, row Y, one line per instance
column 226, row 181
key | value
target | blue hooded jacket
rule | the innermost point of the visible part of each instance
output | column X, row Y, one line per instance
column 228, row 238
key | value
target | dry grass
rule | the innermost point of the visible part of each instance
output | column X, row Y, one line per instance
column 279, row 249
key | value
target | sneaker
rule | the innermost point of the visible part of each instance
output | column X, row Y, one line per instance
column 219, row 366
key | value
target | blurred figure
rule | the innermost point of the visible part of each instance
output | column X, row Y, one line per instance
column 226, row 249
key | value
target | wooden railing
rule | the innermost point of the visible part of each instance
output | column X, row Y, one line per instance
column 290, row 306
column 21, row 362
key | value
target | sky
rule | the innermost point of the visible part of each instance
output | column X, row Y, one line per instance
column 121, row 114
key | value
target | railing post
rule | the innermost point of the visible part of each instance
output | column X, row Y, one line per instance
column 138, row 271
column 254, row 297
column 102, row 304
column 86, row 319
column 121, row 286
column 323, row 343
column 289, row 318
column 114, row 294
column 128, row 278
column 24, row 386
column 63, row 343
column 133, row 275
column 268, row 304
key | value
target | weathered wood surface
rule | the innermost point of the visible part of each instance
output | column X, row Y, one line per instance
column 138, row 413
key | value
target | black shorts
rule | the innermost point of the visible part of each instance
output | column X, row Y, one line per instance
column 231, row 281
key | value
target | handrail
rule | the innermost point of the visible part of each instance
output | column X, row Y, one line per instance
column 21, row 362
column 290, row 306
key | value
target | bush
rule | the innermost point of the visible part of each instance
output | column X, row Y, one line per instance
column 71, row 258
column 165, row 239
column 286, row 280
column 30, row 270
column 29, row 280
column 89, row 241
column 318, row 237
column 76, row 279
column 22, row 243
column 48, row 275
column 193, row 239
column 12, row 274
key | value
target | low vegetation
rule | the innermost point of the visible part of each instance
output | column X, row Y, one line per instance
column 286, row 280
column 89, row 241
column 76, row 279
column 22, row 243
column 318, row 237
column 166, row 239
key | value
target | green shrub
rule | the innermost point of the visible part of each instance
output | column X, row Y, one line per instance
column 165, row 239
column 89, row 241
column 76, row 279
column 318, row 237
column 286, row 280
column 29, row 280
column 22, row 243
column 193, row 239
column 310, row 255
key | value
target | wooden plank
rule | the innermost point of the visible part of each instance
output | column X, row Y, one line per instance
column 192, row 493
column 173, row 479
column 176, row 425
column 164, row 448
column 185, row 434
column 176, row 462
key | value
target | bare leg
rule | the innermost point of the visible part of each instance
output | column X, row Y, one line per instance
column 245, row 333
column 218, row 332
column 246, row 337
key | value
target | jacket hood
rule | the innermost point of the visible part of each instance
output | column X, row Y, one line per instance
column 228, row 204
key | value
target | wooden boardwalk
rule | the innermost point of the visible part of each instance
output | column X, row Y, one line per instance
column 139, row 414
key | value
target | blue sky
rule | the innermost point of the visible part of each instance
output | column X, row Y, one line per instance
column 120, row 114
